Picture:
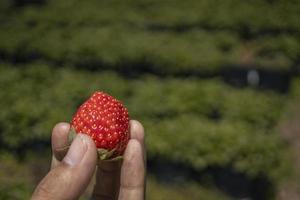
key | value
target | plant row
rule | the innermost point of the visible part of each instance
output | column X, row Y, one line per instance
column 134, row 35
column 203, row 123
column 124, row 48
column 258, row 16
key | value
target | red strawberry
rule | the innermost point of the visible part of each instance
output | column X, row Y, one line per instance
column 106, row 121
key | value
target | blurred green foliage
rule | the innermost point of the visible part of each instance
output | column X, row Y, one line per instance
column 19, row 182
column 15, row 179
column 178, row 114
column 295, row 88
column 167, row 36
column 158, row 191
column 54, row 54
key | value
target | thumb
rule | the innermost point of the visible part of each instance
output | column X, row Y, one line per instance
column 70, row 178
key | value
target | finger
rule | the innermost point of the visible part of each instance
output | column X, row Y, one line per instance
column 59, row 141
column 70, row 178
column 107, row 180
column 133, row 172
column 137, row 132
column 108, row 173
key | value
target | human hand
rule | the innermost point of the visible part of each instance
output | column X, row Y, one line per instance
column 72, row 170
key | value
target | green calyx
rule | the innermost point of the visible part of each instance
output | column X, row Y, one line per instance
column 104, row 154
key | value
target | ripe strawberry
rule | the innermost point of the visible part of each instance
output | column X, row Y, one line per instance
column 106, row 121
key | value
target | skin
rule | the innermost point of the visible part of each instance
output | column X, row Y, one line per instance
column 72, row 170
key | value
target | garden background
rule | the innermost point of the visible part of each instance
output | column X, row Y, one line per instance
column 215, row 83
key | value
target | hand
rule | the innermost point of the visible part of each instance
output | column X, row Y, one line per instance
column 72, row 170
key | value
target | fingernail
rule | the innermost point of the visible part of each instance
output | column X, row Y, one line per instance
column 77, row 150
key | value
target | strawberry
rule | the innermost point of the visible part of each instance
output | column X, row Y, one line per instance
column 106, row 121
